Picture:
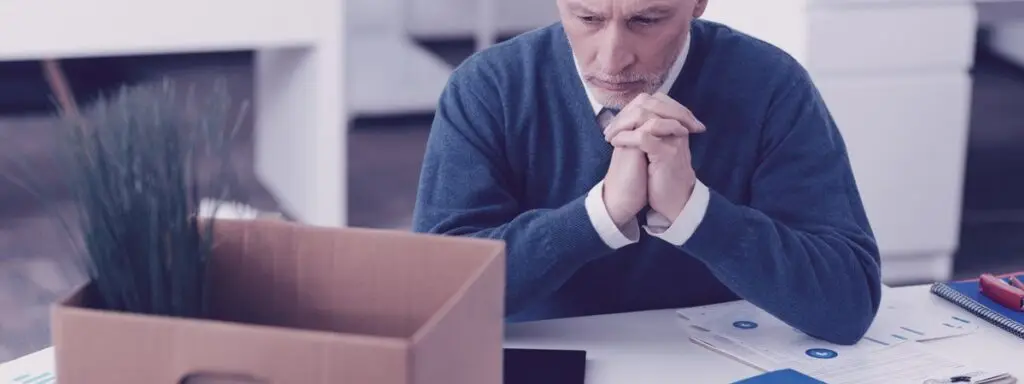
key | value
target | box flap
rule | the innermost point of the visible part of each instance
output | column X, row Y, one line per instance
column 363, row 281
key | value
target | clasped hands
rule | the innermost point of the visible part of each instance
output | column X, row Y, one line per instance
column 651, row 160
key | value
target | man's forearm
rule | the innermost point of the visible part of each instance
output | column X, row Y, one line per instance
column 544, row 246
column 822, row 280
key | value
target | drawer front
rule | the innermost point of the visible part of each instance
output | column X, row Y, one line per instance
column 907, row 138
column 872, row 37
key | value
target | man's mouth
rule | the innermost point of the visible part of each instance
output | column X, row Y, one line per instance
column 615, row 86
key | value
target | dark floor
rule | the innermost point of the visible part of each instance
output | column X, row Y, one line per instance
column 384, row 164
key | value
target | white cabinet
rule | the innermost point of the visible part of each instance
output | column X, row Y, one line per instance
column 907, row 141
column 895, row 75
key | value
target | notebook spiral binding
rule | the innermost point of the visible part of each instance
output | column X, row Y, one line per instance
column 979, row 310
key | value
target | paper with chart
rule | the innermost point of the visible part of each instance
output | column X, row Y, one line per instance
column 893, row 324
column 887, row 354
column 901, row 363
column 36, row 368
column 777, row 342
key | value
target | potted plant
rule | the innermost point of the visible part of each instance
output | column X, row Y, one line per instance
column 175, row 297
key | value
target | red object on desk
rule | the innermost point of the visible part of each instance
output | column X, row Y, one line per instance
column 1008, row 295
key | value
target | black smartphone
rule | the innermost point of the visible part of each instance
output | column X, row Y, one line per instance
column 544, row 366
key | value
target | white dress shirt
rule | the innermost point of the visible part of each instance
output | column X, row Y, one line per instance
column 675, row 231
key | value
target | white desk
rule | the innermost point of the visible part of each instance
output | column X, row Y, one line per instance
column 653, row 347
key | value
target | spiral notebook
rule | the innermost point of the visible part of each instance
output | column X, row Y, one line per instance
column 967, row 294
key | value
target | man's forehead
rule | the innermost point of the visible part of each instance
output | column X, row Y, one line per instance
column 627, row 6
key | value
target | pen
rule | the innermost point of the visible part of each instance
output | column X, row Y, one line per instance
column 954, row 379
column 978, row 377
column 1016, row 282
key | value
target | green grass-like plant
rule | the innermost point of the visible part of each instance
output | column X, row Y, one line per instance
column 132, row 162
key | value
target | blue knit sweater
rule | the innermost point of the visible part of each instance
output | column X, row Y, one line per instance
column 515, row 147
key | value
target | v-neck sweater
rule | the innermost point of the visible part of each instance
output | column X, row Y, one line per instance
column 514, row 148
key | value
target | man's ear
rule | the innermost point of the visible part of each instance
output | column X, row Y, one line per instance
column 699, row 8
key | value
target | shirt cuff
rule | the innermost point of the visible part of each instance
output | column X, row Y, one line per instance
column 679, row 231
column 610, row 233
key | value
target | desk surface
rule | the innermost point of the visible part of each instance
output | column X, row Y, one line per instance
column 654, row 347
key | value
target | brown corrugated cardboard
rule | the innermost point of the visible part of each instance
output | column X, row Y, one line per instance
column 300, row 304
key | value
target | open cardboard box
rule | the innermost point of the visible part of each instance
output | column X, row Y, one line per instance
column 300, row 304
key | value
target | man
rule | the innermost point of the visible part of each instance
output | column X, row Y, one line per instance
column 720, row 149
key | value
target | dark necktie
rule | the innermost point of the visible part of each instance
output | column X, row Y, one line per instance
column 604, row 117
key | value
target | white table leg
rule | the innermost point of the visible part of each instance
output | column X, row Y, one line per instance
column 301, row 130
column 486, row 24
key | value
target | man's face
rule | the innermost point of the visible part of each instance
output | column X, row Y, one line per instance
column 625, row 47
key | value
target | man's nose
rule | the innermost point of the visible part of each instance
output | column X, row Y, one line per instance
column 615, row 53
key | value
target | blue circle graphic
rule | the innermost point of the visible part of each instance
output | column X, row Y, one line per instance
column 745, row 324
column 821, row 353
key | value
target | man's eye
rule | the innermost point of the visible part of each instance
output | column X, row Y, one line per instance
column 645, row 20
column 590, row 19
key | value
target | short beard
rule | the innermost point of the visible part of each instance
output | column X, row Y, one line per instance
column 651, row 83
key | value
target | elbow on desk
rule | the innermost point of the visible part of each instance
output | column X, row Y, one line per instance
column 849, row 332
column 847, row 323
column 851, row 309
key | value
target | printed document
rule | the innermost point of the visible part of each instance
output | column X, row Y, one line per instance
column 902, row 363
column 894, row 323
column 888, row 354
column 36, row 368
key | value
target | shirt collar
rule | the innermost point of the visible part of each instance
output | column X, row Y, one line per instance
column 673, row 74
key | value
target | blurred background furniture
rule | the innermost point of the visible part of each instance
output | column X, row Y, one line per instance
column 299, row 66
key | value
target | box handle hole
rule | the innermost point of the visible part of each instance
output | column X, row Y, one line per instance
column 220, row 378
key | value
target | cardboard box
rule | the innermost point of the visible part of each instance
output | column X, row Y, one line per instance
column 300, row 304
